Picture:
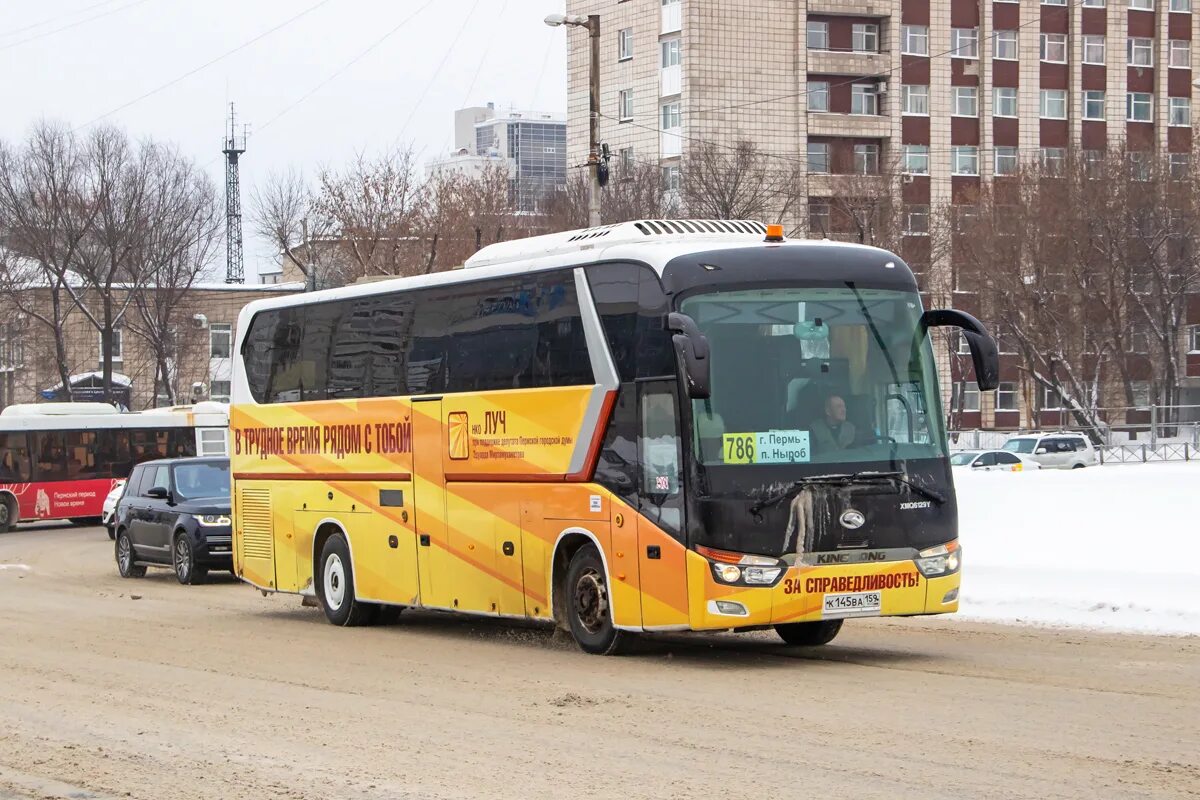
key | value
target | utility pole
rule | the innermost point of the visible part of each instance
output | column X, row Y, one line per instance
column 233, row 147
column 592, row 23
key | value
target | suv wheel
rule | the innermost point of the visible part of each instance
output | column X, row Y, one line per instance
column 184, row 558
column 125, row 557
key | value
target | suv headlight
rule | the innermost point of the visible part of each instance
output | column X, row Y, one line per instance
column 941, row 560
column 213, row 520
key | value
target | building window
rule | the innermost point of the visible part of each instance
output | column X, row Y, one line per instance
column 1139, row 106
column 1054, row 104
column 864, row 98
column 219, row 391
column 966, row 101
column 916, row 220
column 1054, row 2
column 1004, row 101
column 1093, row 104
column 1093, row 163
column 1141, row 393
column 916, row 100
column 1054, row 48
column 1139, row 165
column 866, row 159
column 117, row 345
column 1007, row 161
column 916, row 159
column 624, row 44
column 1143, row 5
column 670, row 178
column 1181, row 5
column 1180, row 53
column 625, row 105
column 1141, row 52
column 964, row 43
column 1005, row 46
column 1194, row 339
column 966, row 396
column 1095, row 50
column 220, row 340
column 817, row 93
column 964, row 160
column 670, row 53
column 1093, row 3
column 818, row 35
column 1180, row 165
column 865, row 38
column 625, row 163
column 1052, row 160
column 818, row 219
column 914, row 40
column 672, row 117
column 818, row 158
column 1006, row 396
column 1180, row 111
column 1051, row 398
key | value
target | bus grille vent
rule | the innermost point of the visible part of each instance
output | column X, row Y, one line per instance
column 254, row 508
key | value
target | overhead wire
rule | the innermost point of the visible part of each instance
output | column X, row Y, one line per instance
column 206, row 64
column 445, row 57
column 56, row 18
column 76, row 24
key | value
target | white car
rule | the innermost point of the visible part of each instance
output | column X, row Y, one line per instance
column 993, row 461
column 110, row 506
column 1064, row 450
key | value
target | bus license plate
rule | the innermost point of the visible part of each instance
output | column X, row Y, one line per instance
column 837, row 605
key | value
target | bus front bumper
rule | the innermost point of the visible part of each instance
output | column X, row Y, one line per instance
column 813, row 593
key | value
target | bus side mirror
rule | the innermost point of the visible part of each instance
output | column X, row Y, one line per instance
column 983, row 347
column 691, row 349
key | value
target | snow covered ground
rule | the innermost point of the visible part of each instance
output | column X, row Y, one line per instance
column 1116, row 547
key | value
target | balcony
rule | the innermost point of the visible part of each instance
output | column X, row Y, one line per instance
column 672, row 80
column 847, row 62
column 859, row 126
column 851, row 8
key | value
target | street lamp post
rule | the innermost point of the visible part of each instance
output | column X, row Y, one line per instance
column 592, row 24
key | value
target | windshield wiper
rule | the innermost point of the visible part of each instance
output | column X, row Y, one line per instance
column 844, row 478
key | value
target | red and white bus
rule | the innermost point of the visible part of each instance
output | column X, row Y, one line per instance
column 60, row 460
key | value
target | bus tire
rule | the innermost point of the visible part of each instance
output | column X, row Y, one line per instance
column 125, row 557
column 809, row 634
column 335, row 586
column 8, row 513
column 589, row 612
column 183, row 557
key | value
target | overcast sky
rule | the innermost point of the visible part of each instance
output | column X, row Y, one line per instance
column 77, row 60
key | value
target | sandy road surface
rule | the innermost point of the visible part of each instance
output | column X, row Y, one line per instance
column 216, row 692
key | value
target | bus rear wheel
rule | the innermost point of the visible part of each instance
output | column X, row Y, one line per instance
column 589, row 609
column 809, row 634
column 335, row 586
column 8, row 514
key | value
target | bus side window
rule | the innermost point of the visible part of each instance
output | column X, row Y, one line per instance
column 14, row 457
column 81, row 454
column 660, row 458
column 49, row 456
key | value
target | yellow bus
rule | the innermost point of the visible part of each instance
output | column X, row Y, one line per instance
column 659, row 425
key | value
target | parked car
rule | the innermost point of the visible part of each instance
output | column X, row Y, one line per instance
column 993, row 461
column 175, row 513
column 110, row 507
column 1064, row 450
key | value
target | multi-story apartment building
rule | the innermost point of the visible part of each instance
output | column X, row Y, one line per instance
column 531, row 146
column 947, row 94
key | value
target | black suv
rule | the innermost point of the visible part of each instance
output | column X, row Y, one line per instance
column 175, row 513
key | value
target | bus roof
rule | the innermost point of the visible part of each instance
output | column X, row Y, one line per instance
column 72, row 416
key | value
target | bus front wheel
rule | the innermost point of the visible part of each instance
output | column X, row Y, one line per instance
column 335, row 586
column 589, row 609
column 809, row 634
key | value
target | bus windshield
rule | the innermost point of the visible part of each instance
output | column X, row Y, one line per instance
column 815, row 376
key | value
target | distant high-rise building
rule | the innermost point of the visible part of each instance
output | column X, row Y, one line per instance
column 531, row 145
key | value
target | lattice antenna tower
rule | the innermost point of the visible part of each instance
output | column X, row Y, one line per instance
column 234, row 145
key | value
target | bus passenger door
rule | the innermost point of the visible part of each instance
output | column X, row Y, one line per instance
column 662, row 562
column 429, row 500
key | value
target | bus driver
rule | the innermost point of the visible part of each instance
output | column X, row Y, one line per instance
column 833, row 431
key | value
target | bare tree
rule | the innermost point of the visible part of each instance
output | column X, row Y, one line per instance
column 284, row 211
column 738, row 182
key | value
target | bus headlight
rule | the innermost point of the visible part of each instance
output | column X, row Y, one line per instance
column 730, row 573
column 941, row 560
column 761, row 575
column 213, row 520
column 750, row 570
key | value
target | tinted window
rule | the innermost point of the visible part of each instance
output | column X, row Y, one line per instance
column 49, row 455
column 181, row 442
column 986, row 460
column 81, row 454
column 140, row 481
column 160, row 477
column 207, row 479
column 633, row 310
column 147, row 445
column 510, row 333
column 1007, row 458
column 962, row 459
column 15, row 464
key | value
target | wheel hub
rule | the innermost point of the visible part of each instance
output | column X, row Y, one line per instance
column 335, row 582
column 591, row 601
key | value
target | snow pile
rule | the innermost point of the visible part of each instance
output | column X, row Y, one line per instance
column 1115, row 548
